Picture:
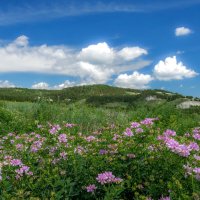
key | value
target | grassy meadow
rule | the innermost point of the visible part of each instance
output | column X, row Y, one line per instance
column 98, row 142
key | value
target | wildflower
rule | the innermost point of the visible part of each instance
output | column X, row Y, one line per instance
column 16, row 162
column 90, row 138
column 19, row 146
column 169, row 133
column 62, row 138
column 139, row 130
column 187, row 135
column 131, row 155
column 10, row 134
column 91, row 188
column 164, row 198
column 128, row 132
column 148, row 121
column 116, row 136
column 37, row 145
column 39, row 126
column 196, row 136
column 103, row 152
column 107, row 177
column 188, row 170
column 196, row 170
column 63, row 155
column 197, row 157
column 193, row 146
column 22, row 170
column 55, row 129
column 79, row 150
column 135, row 125
column 69, row 125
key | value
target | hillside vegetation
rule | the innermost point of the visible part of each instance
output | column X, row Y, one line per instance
column 98, row 142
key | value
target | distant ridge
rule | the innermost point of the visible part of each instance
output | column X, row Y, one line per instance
column 83, row 92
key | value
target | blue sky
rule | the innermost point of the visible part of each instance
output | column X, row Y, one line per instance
column 137, row 44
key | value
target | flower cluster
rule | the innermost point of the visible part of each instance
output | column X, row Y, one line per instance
column 107, row 177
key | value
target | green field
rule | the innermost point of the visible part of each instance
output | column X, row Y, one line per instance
column 82, row 143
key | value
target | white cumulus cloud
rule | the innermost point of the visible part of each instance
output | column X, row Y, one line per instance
column 6, row 84
column 170, row 69
column 66, row 84
column 135, row 80
column 96, row 63
column 130, row 53
column 181, row 31
column 41, row 85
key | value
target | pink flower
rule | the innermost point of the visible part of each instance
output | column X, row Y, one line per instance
column 135, row 125
column 91, row 188
column 54, row 129
column 169, row 133
column 139, row 130
column 90, row 138
column 193, row 146
column 107, row 177
column 103, row 152
column 69, row 125
column 148, row 121
column 19, row 147
column 16, row 162
column 197, row 157
column 62, row 138
column 128, row 132
column 63, row 155
column 196, row 170
column 196, row 136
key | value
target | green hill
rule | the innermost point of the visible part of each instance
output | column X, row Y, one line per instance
column 93, row 94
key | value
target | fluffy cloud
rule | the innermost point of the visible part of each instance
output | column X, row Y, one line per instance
column 66, row 84
column 41, row 85
column 181, row 31
column 130, row 53
column 99, row 53
column 170, row 69
column 135, row 80
column 6, row 84
column 95, row 63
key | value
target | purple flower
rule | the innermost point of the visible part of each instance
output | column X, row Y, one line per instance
column 196, row 170
column 37, row 145
column 148, row 121
column 69, row 125
column 62, row 138
column 63, row 155
column 107, row 177
column 169, row 133
column 80, row 150
column 196, row 136
column 103, row 152
column 23, row 170
column 197, row 157
column 90, row 138
column 16, row 162
column 193, row 146
column 139, row 130
column 91, row 188
column 54, row 129
column 19, row 147
column 128, row 132
column 135, row 125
